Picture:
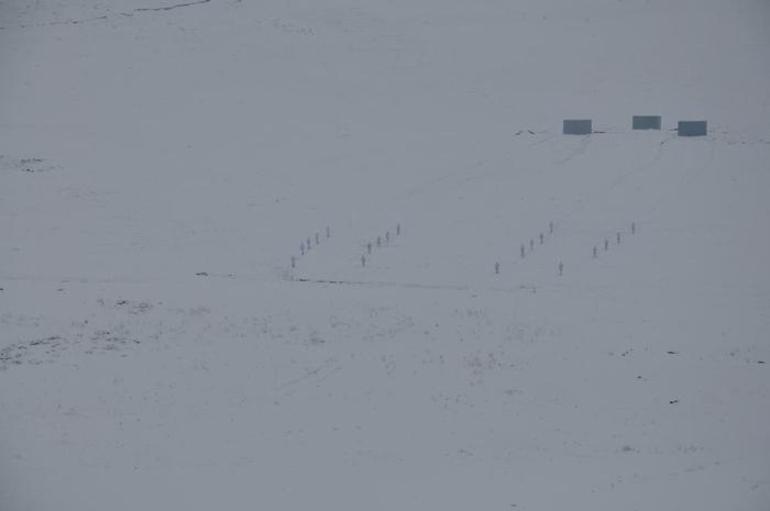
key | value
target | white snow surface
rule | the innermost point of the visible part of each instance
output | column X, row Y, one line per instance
column 160, row 164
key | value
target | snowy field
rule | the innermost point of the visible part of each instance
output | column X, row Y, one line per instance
column 162, row 162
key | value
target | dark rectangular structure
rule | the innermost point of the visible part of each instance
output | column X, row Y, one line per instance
column 577, row 127
column 646, row 122
column 692, row 128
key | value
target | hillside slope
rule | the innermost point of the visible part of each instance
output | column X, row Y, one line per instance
column 161, row 164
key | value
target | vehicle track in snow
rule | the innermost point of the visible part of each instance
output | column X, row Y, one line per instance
column 106, row 17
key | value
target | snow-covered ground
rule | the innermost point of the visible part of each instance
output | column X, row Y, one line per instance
column 162, row 161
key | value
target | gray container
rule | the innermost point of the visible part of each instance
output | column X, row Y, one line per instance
column 646, row 122
column 577, row 127
column 692, row 128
